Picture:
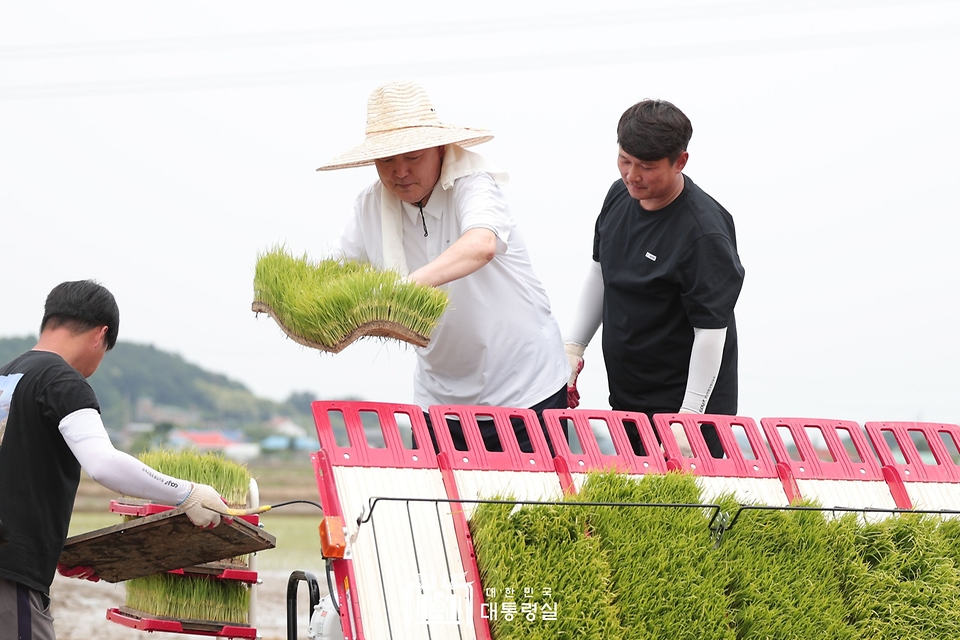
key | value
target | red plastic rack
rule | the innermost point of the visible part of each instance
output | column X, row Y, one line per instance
column 477, row 457
column 735, row 463
column 853, row 461
column 238, row 575
column 914, row 469
column 140, row 509
column 754, row 465
column 143, row 622
column 624, row 460
column 914, row 474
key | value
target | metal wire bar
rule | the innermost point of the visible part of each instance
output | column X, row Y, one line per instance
column 720, row 522
column 367, row 514
column 383, row 586
column 750, row 507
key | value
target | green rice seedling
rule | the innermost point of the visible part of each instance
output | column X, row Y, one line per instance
column 784, row 579
column 665, row 574
column 191, row 597
column 231, row 479
column 647, row 572
column 540, row 562
column 904, row 582
column 949, row 531
column 329, row 303
column 185, row 597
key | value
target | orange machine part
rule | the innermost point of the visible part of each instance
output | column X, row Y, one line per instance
column 333, row 544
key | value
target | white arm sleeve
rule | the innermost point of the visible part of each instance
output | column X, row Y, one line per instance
column 590, row 309
column 88, row 440
column 705, row 358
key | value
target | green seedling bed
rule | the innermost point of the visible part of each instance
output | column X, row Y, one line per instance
column 659, row 573
column 329, row 304
column 189, row 596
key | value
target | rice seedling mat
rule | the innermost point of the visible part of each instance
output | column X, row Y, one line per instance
column 407, row 547
column 135, row 619
column 161, row 542
column 373, row 328
column 779, row 574
column 330, row 303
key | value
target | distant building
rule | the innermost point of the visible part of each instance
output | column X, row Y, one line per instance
column 279, row 442
column 231, row 444
column 286, row 427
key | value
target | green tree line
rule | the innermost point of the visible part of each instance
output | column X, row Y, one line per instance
column 134, row 371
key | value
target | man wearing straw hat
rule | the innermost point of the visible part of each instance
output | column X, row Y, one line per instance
column 437, row 215
column 50, row 428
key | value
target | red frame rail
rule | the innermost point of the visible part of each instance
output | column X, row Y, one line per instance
column 625, row 460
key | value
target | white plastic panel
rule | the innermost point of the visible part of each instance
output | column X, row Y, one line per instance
column 760, row 491
column 517, row 485
column 406, row 558
column 934, row 495
column 578, row 480
column 849, row 493
column 764, row 491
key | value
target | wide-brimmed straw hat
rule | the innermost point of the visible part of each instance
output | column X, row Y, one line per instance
column 400, row 118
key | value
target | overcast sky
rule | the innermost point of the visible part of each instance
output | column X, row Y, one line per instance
column 159, row 146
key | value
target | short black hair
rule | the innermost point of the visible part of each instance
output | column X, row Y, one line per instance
column 654, row 129
column 82, row 305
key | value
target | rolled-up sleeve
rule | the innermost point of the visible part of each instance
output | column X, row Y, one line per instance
column 481, row 204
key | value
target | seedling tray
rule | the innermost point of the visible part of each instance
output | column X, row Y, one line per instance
column 371, row 329
column 140, row 508
column 135, row 619
column 161, row 542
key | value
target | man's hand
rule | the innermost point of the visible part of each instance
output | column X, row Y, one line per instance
column 81, row 573
column 204, row 506
column 574, row 353
column 680, row 435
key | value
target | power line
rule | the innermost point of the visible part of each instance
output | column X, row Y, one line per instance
column 512, row 24
column 502, row 64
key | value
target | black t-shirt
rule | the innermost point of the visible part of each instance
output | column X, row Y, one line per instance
column 664, row 273
column 38, row 472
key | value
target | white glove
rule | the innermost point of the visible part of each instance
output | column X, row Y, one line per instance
column 203, row 505
column 574, row 353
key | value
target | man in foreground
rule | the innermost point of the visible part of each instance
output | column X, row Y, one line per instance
column 50, row 428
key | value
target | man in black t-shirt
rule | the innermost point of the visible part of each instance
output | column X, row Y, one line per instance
column 664, row 282
column 50, row 428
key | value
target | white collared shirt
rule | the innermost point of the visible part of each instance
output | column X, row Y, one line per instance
column 498, row 343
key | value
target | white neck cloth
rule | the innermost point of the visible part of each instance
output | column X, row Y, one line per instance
column 457, row 163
